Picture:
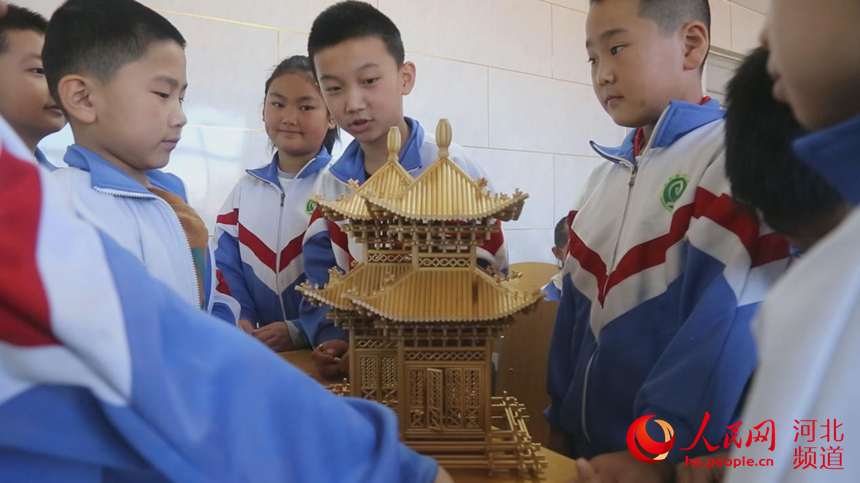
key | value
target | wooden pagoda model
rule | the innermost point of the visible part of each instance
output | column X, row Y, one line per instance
column 422, row 315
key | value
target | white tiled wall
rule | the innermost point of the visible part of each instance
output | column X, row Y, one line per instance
column 510, row 74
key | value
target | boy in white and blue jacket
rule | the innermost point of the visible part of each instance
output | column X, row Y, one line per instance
column 808, row 329
column 664, row 271
column 365, row 97
column 125, row 110
column 25, row 101
column 108, row 375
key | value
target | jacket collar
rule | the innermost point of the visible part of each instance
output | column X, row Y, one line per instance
column 678, row 120
column 835, row 154
column 351, row 164
column 269, row 172
column 106, row 176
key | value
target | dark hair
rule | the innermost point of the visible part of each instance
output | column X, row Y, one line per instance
column 299, row 64
column 562, row 236
column 671, row 14
column 350, row 20
column 762, row 168
column 98, row 37
column 19, row 18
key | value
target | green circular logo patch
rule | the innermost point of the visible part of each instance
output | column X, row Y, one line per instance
column 673, row 190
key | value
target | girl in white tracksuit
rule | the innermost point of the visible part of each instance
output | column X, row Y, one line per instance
column 259, row 230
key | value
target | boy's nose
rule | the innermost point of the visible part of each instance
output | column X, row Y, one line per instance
column 355, row 101
column 179, row 118
column 604, row 76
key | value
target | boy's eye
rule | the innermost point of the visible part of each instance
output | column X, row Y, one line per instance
column 306, row 108
column 615, row 50
column 162, row 95
column 38, row 71
column 592, row 60
column 332, row 90
column 370, row 82
column 278, row 105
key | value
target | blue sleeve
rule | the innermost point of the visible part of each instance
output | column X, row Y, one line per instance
column 293, row 429
column 319, row 258
column 562, row 357
column 229, row 260
column 224, row 306
column 708, row 363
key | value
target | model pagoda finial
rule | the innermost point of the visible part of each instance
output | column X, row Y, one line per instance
column 443, row 137
column 393, row 144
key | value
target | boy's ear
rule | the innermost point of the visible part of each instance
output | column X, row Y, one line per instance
column 697, row 42
column 407, row 77
column 331, row 122
column 76, row 97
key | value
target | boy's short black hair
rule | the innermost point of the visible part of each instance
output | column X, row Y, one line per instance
column 671, row 14
column 350, row 20
column 98, row 37
column 562, row 235
column 21, row 19
column 762, row 168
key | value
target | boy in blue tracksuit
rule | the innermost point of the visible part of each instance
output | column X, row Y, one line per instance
column 108, row 375
column 358, row 57
column 118, row 70
column 807, row 329
column 664, row 271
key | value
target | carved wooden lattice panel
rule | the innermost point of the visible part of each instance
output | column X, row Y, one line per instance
column 434, row 399
column 416, row 397
column 388, row 382
column 368, row 375
column 454, row 398
column 473, row 396
column 444, row 355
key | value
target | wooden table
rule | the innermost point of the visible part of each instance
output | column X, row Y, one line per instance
column 559, row 468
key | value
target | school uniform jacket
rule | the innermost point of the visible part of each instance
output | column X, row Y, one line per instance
column 662, row 277
column 258, row 241
column 108, row 375
column 808, row 331
column 144, row 224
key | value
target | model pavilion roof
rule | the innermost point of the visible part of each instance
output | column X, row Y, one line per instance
column 428, row 295
column 444, row 192
column 364, row 279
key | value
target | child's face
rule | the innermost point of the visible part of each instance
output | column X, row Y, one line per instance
column 364, row 87
column 295, row 115
column 814, row 59
column 24, row 98
column 138, row 114
column 635, row 68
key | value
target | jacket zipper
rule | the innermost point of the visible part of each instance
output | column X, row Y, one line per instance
column 197, row 291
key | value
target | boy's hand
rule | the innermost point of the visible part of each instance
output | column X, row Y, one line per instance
column 246, row 325
column 622, row 467
column 276, row 336
column 702, row 474
column 331, row 358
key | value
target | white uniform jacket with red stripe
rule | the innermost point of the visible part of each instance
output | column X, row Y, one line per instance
column 106, row 374
column 326, row 246
column 663, row 275
column 258, row 241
